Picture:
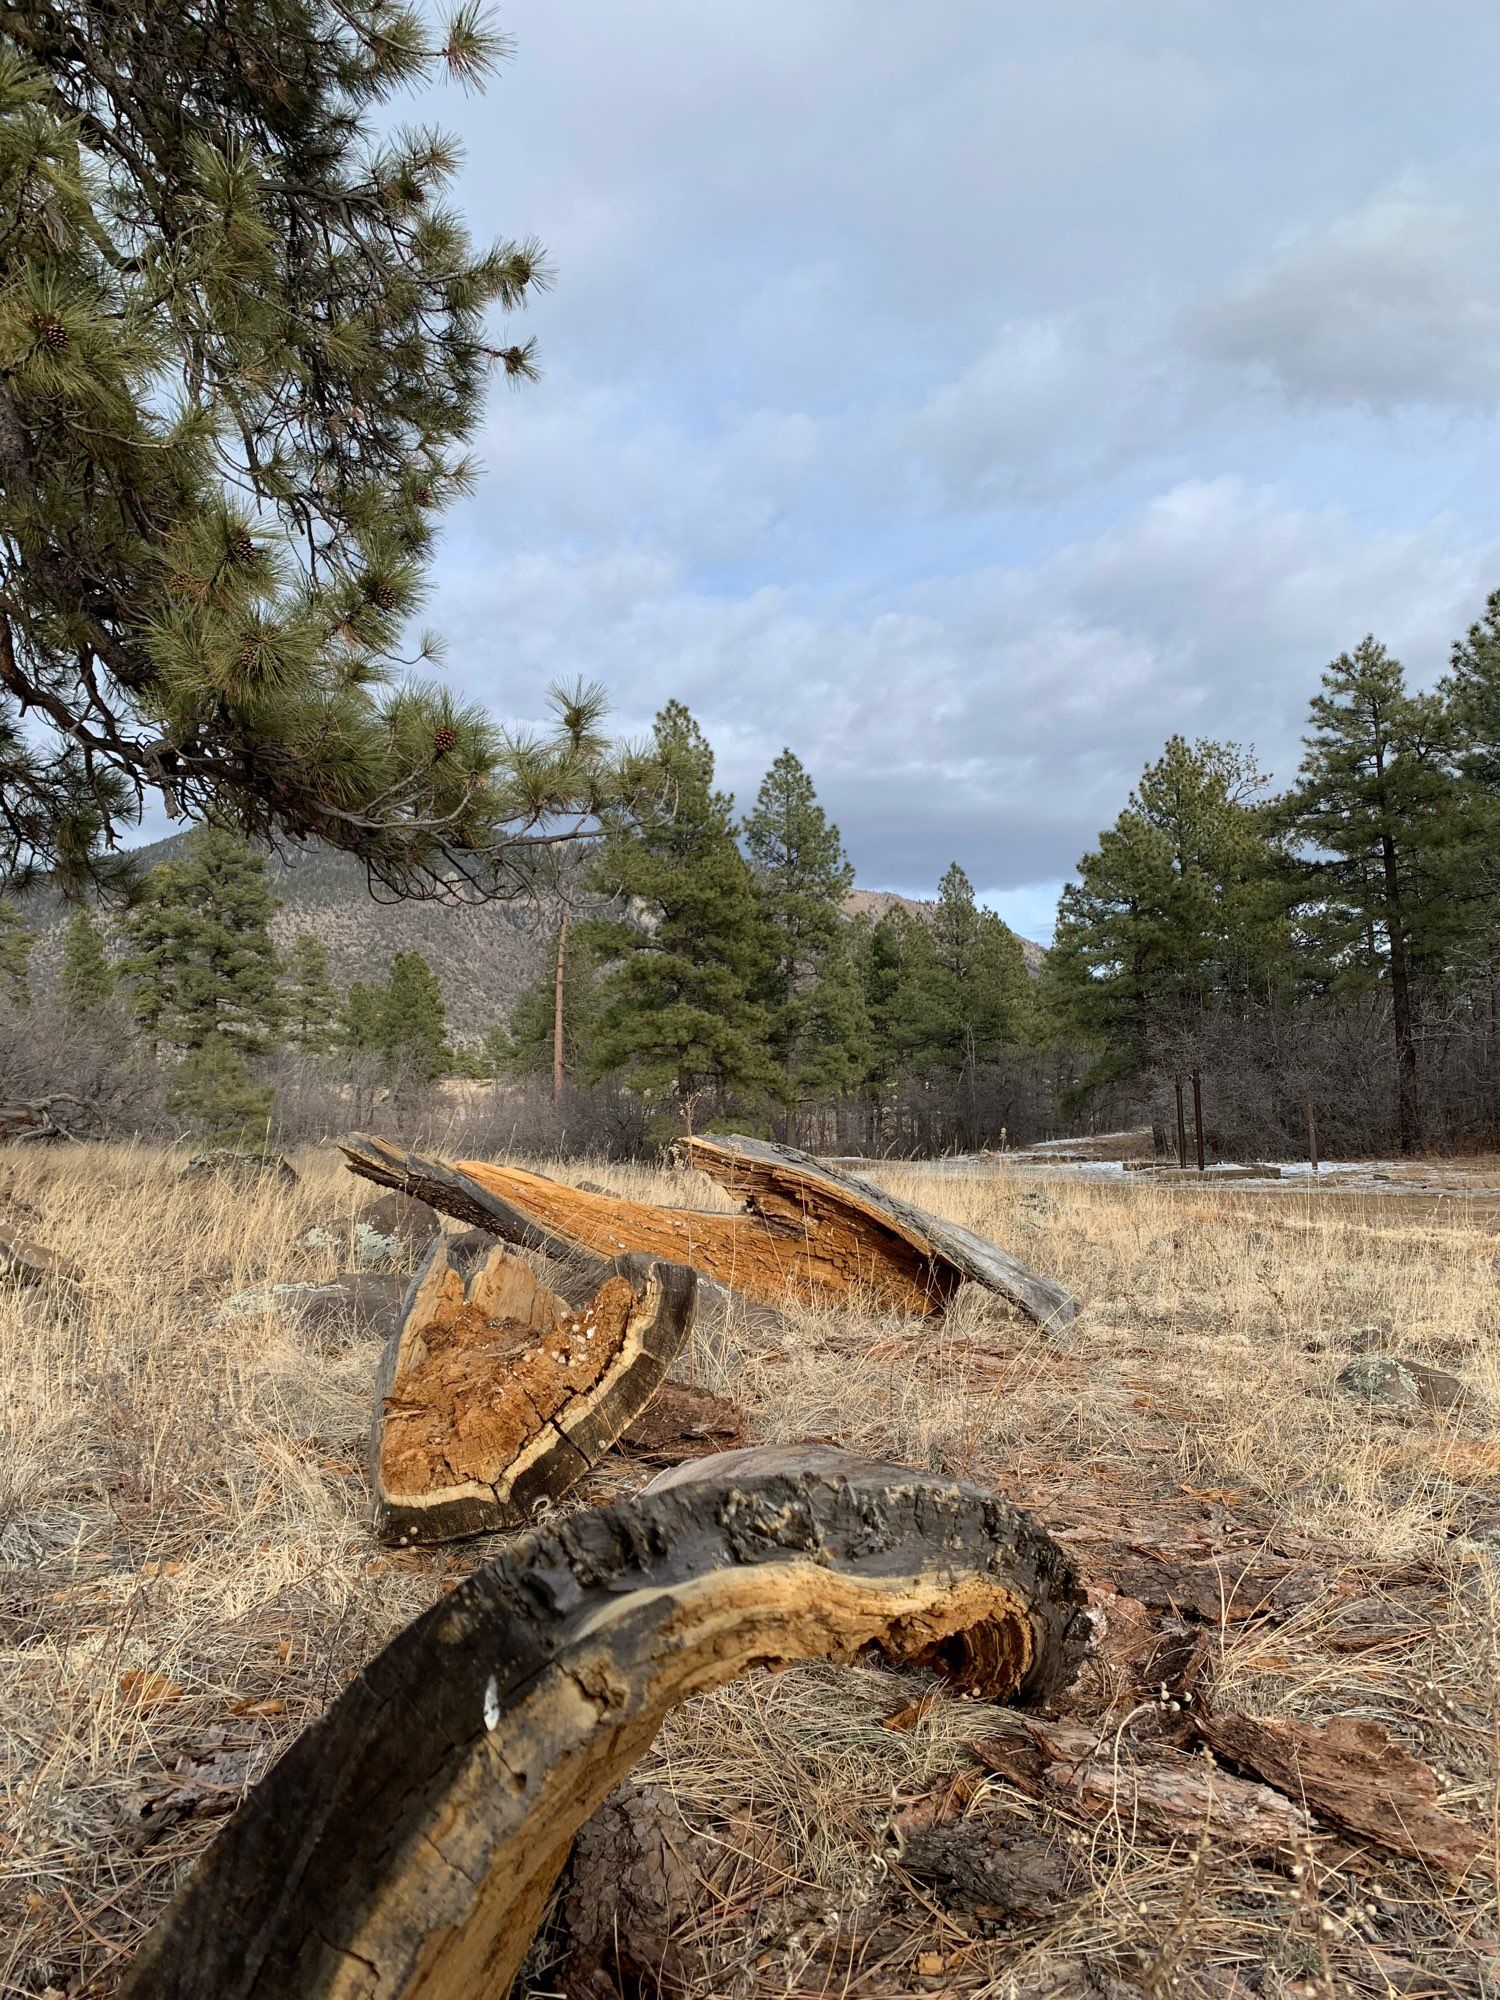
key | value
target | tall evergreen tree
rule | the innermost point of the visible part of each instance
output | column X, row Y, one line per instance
column 363, row 1021
column 413, row 1022
column 203, row 964
column 1375, row 808
column 1471, row 696
column 17, row 941
column 310, row 1006
column 962, row 994
column 819, row 1031
column 243, row 347
column 678, row 1005
column 1175, row 914
column 87, row 979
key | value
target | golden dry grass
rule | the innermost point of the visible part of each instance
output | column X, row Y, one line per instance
column 189, row 1577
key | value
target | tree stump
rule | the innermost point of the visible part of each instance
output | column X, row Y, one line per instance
column 494, row 1395
column 408, row 1843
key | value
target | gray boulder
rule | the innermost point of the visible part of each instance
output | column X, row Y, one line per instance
column 1401, row 1384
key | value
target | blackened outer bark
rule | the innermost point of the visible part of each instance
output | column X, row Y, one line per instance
column 407, row 1844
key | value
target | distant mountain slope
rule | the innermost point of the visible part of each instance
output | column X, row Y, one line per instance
column 877, row 903
column 484, row 954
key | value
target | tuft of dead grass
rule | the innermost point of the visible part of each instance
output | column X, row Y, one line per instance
column 188, row 1575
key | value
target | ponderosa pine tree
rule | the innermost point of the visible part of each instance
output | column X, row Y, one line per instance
column 962, row 995
column 413, row 1021
column 86, row 981
column 17, row 940
column 362, row 1018
column 678, row 1005
column 1175, row 913
column 819, row 1030
column 310, row 1006
column 202, row 964
column 1375, row 809
column 243, row 345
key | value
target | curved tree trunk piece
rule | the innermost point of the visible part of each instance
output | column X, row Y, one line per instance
column 493, row 1396
column 406, row 1845
column 792, row 1190
column 812, row 1232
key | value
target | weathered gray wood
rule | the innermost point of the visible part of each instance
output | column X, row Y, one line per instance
column 809, row 1231
column 491, row 1395
column 407, row 1844
column 781, row 1183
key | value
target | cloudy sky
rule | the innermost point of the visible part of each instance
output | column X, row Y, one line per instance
column 969, row 393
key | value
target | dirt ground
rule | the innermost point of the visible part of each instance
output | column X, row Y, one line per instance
column 189, row 1578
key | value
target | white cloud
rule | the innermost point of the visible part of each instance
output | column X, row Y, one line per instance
column 1396, row 303
column 999, row 717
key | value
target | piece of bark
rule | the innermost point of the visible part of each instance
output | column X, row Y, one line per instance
column 408, row 1843
column 1353, row 1774
column 843, row 1243
column 986, row 1876
column 681, row 1423
column 635, row 1868
column 492, row 1396
column 791, row 1190
column 1167, row 1792
column 23, row 1262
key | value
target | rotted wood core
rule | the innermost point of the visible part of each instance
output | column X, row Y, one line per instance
column 493, row 1395
column 407, row 1844
column 808, row 1232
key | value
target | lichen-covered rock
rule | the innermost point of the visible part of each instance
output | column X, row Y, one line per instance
column 1401, row 1384
column 228, row 1163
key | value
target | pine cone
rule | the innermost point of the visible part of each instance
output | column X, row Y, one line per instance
column 54, row 334
column 382, row 596
column 249, row 656
column 242, row 548
column 444, row 739
column 423, row 496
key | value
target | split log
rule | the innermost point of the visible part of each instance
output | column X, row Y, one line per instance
column 493, row 1395
column 793, row 1191
column 808, row 1233
column 408, row 1843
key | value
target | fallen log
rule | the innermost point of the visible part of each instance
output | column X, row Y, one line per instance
column 408, row 1843
column 794, row 1191
column 493, row 1395
column 809, row 1234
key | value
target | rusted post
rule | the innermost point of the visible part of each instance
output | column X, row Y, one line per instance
column 1198, row 1115
column 1181, row 1126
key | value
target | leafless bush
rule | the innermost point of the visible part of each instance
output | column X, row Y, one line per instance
column 45, row 1051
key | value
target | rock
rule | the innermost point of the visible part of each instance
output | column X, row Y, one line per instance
column 23, row 1262
column 228, row 1163
column 1401, row 1384
column 356, row 1302
column 394, row 1231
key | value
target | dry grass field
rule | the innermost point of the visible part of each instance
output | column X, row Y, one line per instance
column 188, row 1578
